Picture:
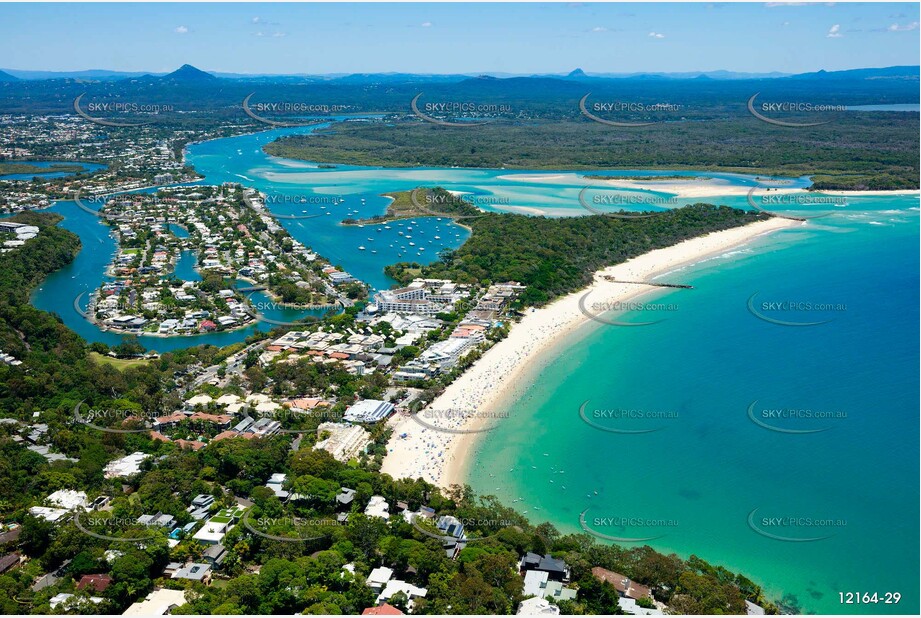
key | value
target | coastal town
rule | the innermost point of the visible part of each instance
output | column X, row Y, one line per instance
column 190, row 259
column 392, row 382
column 104, row 162
column 512, row 312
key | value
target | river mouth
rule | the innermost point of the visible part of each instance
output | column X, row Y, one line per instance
column 328, row 194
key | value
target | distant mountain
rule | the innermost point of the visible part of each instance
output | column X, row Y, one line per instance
column 902, row 72
column 397, row 78
column 188, row 73
column 724, row 75
column 91, row 74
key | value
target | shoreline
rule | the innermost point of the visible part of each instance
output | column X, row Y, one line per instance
column 442, row 457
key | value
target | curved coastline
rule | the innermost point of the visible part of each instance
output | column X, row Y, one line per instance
column 442, row 458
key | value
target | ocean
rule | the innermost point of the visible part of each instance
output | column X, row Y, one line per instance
column 787, row 453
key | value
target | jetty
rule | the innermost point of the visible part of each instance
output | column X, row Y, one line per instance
column 658, row 285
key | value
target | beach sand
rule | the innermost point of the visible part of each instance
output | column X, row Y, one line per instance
column 468, row 405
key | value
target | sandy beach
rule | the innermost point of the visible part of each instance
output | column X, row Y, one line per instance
column 690, row 188
column 469, row 404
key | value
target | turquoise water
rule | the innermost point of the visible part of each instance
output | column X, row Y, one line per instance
column 693, row 482
column 295, row 188
column 76, row 281
column 708, row 466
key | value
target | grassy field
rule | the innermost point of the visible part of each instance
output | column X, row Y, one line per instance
column 119, row 363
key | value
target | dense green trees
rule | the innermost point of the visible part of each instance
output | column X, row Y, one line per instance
column 856, row 151
column 557, row 256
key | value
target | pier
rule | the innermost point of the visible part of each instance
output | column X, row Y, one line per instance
column 658, row 285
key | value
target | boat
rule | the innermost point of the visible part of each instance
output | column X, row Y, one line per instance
column 412, row 244
column 361, row 248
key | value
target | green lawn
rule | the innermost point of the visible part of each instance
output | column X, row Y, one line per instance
column 119, row 363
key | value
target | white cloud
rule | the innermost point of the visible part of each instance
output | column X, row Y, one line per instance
column 834, row 32
column 657, row 35
column 278, row 35
column 426, row 24
column 181, row 30
column 897, row 28
column 599, row 29
column 259, row 34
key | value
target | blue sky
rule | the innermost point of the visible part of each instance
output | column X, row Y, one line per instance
column 453, row 38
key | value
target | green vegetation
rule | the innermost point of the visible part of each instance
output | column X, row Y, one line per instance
column 119, row 363
column 307, row 575
column 857, row 151
column 558, row 256
column 24, row 167
column 421, row 203
column 59, row 370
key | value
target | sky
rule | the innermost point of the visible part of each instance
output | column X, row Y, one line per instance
column 459, row 38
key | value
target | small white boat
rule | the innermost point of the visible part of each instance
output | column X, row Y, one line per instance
column 361, row 248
